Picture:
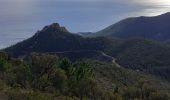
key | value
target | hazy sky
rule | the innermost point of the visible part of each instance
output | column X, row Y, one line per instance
column 20, row 19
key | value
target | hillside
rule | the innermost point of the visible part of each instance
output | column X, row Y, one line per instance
column 50, row 38
column 137, row 54
column 47, row 77
column 144, row 55
column 156, row 28
column 54, row 38
column 110, row 75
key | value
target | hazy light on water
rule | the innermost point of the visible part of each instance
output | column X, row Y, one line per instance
column 153, row 7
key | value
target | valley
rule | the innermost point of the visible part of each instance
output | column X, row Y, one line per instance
column 129, row 60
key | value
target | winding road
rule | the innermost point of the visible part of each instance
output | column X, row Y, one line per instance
column 79, row 51
column 101, row 52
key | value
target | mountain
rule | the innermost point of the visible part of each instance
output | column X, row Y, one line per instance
column 143, row 55
column 138, row 54
column 58, row 40
column 50, row 39
column 156, row 28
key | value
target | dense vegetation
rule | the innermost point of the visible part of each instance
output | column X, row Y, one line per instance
column 137, row 54
column 144, row 55
column 143, row 74
column 47, row 77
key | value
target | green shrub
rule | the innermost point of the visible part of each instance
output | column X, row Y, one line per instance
column 20, row 94
column 131, row 93
column 158, row 96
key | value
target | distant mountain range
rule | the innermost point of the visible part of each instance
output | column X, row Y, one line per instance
column 136, row 49
column 156, row 28
column 134, row 52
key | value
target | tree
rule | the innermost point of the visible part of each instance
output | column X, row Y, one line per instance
column 146, row 88
column 59, row 80
column 83, row 71
column 66, row 64
column 3, row 63
column 4, row 55
column 43, row 63
column 42, row 67
column 84, row 85
column 18, row 74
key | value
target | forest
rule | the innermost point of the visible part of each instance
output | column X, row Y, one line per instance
column 48, row 77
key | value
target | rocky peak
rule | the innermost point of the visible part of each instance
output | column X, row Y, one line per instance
column 55, row 27
column 51, row 30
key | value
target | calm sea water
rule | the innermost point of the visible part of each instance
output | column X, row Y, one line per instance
column 20, row 19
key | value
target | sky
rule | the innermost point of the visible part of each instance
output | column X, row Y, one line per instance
column 20, row 19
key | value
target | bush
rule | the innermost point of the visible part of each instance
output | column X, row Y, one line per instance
column 3, row 55
column 19, row 94
column 59, row 80
column 131, row 93
column 3, row 85
column 158, row 96
column 19, row 74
